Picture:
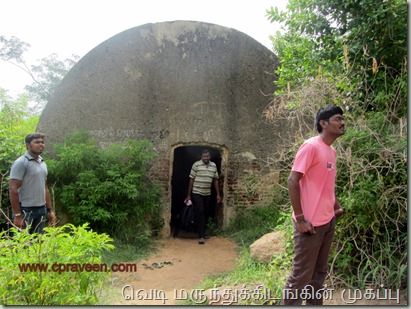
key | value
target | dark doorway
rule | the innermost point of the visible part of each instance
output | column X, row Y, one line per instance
column 184, row 157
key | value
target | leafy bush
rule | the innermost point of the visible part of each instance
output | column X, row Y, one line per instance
column 372, row 185
column 108, row 188
column 63, row 245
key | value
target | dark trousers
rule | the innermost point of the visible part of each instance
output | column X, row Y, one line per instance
column 35, row 217
column 310, row 265
column 201, row 205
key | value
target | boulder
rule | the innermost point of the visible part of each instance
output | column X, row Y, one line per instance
column 267, row 246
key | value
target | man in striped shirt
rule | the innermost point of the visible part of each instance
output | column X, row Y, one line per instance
column 203, row 174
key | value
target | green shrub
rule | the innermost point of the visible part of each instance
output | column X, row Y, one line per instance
column 108, row 188
column 63, row 245
column 371, row 241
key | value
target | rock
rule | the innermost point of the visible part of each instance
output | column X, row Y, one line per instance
column 267, row 246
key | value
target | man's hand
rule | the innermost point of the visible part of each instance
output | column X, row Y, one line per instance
column 18, row 221
column 304, row 226
column 339, row 212
column 52, row 218
column 218, row 199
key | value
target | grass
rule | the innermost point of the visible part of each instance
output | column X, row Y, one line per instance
column 251, row 223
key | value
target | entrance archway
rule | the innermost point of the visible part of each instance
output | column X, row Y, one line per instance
column 183, row 158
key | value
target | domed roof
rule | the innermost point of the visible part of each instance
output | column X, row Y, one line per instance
column 177, row 81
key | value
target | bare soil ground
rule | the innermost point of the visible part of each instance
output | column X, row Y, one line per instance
column 179, row 265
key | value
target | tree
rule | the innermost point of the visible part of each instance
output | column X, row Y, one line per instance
column 49, row 73
column 368, row 37
column 16, row 123
column 46, row 75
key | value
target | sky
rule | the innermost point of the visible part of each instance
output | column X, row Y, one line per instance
column 76, row 27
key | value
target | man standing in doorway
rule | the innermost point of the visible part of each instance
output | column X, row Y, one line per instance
column 203, row 174
column 311, row 186
column 28, row 190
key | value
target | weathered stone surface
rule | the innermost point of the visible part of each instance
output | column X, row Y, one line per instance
column 169, row 82
column 267, row 246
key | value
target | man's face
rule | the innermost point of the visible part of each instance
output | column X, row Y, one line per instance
column 336, row 125
column 205, row 157
column 36, row 146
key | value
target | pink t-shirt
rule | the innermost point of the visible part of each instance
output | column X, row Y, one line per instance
column 317, row 162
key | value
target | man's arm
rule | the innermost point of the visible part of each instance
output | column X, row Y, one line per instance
column 14, row 185
column 190, row 188
column 303, row 225
column 48, row 199
column 51, row 214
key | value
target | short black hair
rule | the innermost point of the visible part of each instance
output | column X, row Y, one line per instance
column 32, row 136
column 325, row 113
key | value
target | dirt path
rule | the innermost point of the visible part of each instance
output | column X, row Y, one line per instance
column 190, row 264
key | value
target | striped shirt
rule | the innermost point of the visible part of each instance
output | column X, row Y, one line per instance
column 203, row 176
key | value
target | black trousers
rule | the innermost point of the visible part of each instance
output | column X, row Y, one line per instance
column 201, row 205
column 36, row 217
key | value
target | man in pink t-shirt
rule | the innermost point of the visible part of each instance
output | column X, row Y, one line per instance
column 311, row 186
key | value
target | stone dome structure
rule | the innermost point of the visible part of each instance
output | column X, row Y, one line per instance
column 184, row 85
